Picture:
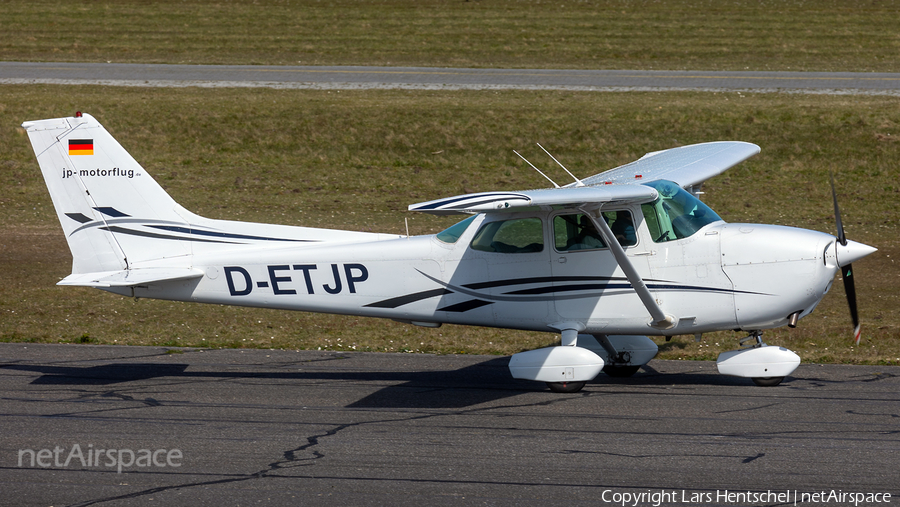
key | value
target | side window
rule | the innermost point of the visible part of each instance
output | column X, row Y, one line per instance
column 622, row 227
column 577, row 232
column 523, row 235
column 452, row 233
column 655, row 222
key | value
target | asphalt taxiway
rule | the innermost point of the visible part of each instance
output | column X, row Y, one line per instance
column 430, row 78
column 274, row 427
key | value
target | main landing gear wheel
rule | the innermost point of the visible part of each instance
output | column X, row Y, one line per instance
column 565, row 387
column 620, row 371
column 767, row 381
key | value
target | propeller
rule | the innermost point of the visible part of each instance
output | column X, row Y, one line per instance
column 846, row 269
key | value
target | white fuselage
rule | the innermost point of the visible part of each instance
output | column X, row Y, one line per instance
column 724, row 276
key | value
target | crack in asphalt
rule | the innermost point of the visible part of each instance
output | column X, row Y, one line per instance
column 744, row 459
column 747, row 409
column 876, row 377
column 150, row 402
column 854, row 412
column 752, row 458
column 290, row 456
column 293, row 458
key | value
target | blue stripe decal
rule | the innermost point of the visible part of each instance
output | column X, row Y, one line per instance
column 111, row 212
column 465, row 306
column 132, row 232
column 409, row 298
column 553, row 292
column 228, row 235
column 471, row 196
column 78, row 217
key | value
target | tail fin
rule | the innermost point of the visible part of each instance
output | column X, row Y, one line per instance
column 108, row 206
column 123, row 229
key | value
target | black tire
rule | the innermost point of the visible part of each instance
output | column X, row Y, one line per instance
column 767, row 381
column 565, row 387
column 620, row 371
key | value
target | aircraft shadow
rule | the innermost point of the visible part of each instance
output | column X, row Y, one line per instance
column 472, row 385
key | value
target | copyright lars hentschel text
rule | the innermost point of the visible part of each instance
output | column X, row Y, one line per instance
column 724, row 496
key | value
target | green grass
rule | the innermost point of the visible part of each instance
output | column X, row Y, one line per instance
column 355, row 160
column 826, row 35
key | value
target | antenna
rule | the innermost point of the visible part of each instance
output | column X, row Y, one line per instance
column 578, row 183
column 536, row 169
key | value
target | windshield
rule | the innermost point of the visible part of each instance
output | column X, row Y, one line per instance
column 675, row 214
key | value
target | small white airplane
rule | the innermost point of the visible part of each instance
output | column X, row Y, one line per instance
column 605, row 261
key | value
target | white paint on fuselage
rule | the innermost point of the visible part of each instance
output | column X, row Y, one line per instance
column 725, row 276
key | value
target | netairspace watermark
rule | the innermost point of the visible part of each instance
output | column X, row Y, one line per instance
column 90, row 457
column 719, row 497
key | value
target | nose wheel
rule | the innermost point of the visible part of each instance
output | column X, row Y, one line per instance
column 767, row 381
column 766, row 366
column 755, row 341
column 565, row 387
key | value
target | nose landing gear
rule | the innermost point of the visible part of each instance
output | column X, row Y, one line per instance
column 764, row 365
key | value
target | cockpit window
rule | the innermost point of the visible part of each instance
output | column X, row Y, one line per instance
column 451, row 234
column 676, row 213
column 577, row 232
column 522, row 235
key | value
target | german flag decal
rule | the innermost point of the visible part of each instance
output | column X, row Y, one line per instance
column 81, row 146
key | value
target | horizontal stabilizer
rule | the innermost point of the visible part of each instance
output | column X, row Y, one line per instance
column 130, row 277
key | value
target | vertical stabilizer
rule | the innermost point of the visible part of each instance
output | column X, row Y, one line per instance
column 100, row 192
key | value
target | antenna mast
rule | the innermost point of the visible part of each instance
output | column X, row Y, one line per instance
column 536, row 169
column 578, row 183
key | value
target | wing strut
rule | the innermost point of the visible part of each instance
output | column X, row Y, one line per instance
column 660, row 319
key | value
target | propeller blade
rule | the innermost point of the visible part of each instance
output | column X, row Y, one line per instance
column 850, row 289
column 837, row 215
column 847, row 270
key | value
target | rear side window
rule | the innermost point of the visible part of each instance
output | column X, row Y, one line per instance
column 451, row 234
column 522, row 235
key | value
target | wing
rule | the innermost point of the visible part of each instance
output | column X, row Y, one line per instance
column 687, row 166
column 484, row 202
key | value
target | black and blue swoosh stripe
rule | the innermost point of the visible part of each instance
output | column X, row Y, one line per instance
column 122, row 223
column 549, row 288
